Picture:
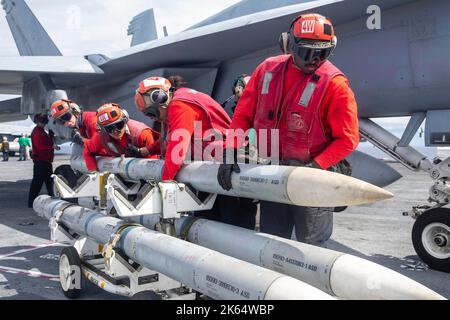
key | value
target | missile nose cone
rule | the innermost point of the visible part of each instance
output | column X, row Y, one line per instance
column 353, row 277
column 321, row 188
column 298, row 290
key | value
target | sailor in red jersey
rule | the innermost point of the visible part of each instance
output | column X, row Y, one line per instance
column 193, row 123
column 309, row 101
column 69, row 114
column 43, row 154
column 119, row 136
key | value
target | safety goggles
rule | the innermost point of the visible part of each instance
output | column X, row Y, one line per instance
column 65, row 117
column 156, row 97
column 309, row 52
column 118, row 126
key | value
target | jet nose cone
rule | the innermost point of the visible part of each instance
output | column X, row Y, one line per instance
column 321, row 188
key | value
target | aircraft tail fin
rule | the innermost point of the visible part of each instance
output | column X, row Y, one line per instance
column 143, row 28
column 30, row 37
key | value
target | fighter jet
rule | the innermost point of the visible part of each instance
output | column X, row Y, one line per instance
column 394, row 52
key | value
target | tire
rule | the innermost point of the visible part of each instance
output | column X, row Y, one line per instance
column 146, row 295
column 431, row 238
column 70, row 272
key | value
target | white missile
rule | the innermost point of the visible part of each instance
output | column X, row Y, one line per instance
column 62, row 132
column 210, row 272
column 336, row 273
column 283, row 184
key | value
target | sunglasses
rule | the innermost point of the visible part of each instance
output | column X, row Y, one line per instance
column 115, row 127
column 65, row 117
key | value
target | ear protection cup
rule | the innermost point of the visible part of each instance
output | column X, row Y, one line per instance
column 283, row 42
column 334, row 44
column 99, row 127
column 139, row 100
column 125, row 115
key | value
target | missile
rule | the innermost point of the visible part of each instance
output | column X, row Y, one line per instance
column 342, row 275
column 210, row 272
column 283, row 184
column 61, row 132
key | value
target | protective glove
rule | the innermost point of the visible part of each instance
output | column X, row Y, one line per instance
column 224, row 175
column 227, row 168
column 313, row 165
column 133, row 151
column 77, row 138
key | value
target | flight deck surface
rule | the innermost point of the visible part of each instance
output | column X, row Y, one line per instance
column 377, row 232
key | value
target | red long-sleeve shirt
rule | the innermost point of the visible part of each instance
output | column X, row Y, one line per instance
column 94, row 147
column 88, row 125
column 181, row 115
column 338, row 112
column 42, row 145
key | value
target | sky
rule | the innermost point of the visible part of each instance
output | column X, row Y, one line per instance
column 100, row 26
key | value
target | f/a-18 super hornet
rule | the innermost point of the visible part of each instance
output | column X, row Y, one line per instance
column 397, row 66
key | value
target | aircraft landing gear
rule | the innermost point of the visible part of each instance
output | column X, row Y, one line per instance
column 431, row 238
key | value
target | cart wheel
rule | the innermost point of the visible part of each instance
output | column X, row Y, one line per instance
column 431, row 238
column 70, row 272
column 146, row 295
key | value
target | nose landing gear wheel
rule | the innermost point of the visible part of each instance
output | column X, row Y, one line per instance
column 70, row 272
column 431, row 238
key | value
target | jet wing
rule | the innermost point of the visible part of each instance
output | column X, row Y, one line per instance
column 204, row 47
column 232, row 38
column 14, row 71
column 16, row 129
column 10, row 111
column 211, row 43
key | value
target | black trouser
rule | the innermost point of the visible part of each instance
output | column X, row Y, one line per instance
column 240, row 212
column 312, row 225
column 5, row 155
column 42, row 171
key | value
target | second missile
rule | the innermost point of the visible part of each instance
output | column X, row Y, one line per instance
column 283, row 184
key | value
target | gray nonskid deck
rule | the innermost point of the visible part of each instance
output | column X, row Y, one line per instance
column 377, row 232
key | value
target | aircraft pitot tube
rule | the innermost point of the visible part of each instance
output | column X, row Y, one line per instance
column 283, row 184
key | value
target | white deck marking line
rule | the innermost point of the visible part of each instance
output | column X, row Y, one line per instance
column 28, row 250
column 30, row 273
